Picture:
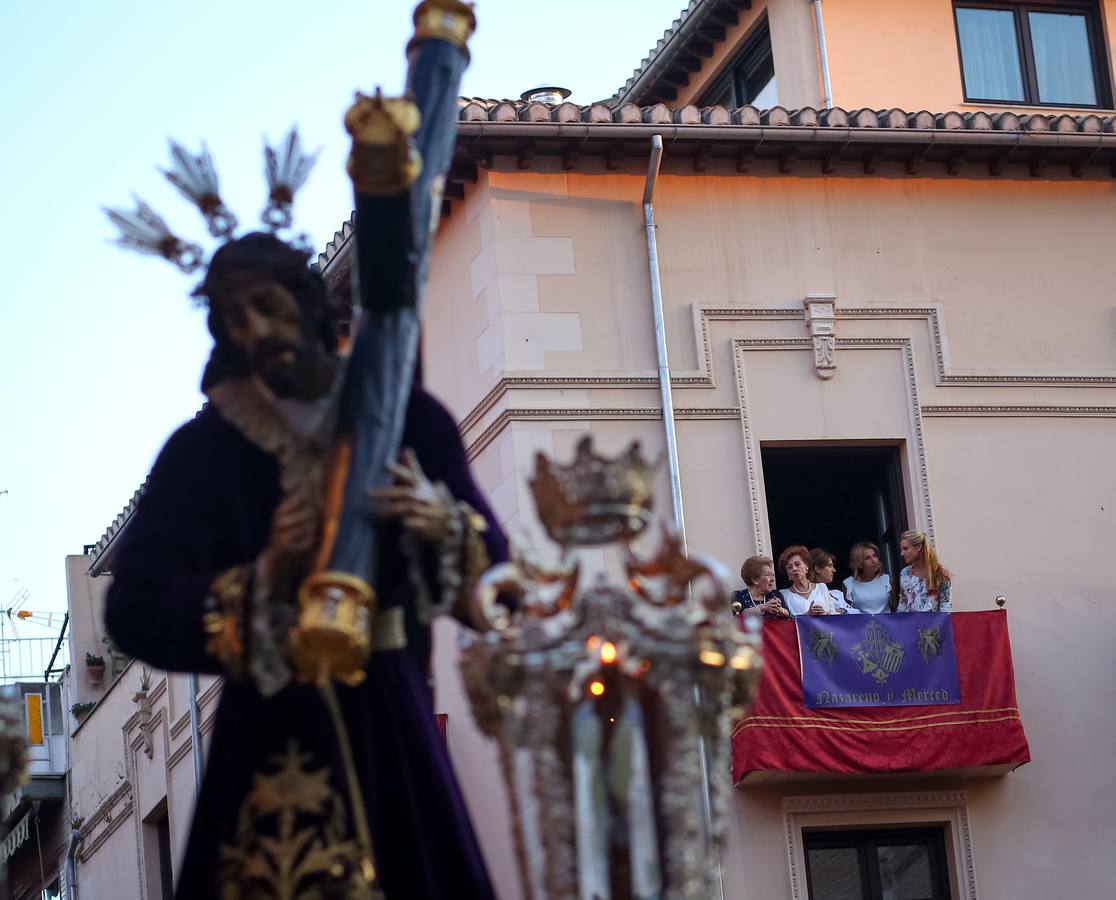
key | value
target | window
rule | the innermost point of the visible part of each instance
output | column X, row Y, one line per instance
column 896, row 864
column 750, row 79
column 834, row 496
column 1045, row 53
column 157, row 853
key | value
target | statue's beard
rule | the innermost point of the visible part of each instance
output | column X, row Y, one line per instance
column 303, row 372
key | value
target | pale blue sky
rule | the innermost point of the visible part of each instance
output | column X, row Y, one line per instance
column 101, row 351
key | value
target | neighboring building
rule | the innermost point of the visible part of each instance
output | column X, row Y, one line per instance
column 877, row 317
column 34, row 818
column 131, row 764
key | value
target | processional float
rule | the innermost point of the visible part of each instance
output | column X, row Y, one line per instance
column 611, row 704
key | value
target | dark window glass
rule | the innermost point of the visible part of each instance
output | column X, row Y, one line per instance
column 893, row 864
column 1044, row 52
column 166, row 878
column 905, row 872
column 750, row 79
column 835, row 873
column 1063, row 59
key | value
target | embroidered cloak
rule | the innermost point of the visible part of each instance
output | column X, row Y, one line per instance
column 274, row 818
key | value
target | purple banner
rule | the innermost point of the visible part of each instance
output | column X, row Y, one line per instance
column 901, row 659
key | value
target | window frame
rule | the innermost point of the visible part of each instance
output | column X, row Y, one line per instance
column 842, row 812
column 758, row 38
column 1020, row 9
column 868, row 841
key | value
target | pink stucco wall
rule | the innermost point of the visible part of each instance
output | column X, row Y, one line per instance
column 975, row 333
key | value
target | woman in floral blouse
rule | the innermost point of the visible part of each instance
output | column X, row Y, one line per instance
column 924, row 581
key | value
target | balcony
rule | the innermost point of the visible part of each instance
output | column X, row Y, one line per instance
column 782, row 740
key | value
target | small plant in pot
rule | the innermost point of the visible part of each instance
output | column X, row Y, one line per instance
column 81, row 710
column 94, row 668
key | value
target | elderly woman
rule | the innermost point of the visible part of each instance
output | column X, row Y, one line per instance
column 804, row 597
column 868, row 589
column 924, row 582
column 759, row 597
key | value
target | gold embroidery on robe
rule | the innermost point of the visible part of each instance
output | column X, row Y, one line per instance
column 293, row 839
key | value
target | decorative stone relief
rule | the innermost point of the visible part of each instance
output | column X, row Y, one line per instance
column 144, row 703
column 821, row 319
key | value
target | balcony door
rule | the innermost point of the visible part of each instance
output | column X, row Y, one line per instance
column 834, row 496
column 891, row 864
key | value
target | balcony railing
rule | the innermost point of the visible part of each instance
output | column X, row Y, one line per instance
column 27, row 659
column 781, row 739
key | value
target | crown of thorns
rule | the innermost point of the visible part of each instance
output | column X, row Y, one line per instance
column 286, row 167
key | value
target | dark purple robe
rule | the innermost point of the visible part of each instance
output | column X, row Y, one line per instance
column 207, row 507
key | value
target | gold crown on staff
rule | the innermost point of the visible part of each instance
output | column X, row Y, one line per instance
column 594, row 500
column 446, row 20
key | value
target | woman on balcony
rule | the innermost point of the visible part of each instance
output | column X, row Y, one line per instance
column 804, row 597
column 924, row 582
column 759, row 597
column 868, row 589
column 823, row 569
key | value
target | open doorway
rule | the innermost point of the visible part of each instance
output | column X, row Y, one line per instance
column 834, row 496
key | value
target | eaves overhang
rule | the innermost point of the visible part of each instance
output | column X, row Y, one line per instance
column 681, row 51
column 802, row 141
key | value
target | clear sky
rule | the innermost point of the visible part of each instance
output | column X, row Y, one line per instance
column 100, row 350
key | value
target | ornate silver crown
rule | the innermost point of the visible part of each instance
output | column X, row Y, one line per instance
column 286, row 166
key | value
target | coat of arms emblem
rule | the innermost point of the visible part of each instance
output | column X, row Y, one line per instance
column 930, row 643
column 877, row 653
column 822, row 646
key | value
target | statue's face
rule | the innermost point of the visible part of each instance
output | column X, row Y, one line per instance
column 263, row 321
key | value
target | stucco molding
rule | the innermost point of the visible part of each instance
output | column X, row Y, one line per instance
column 1029, row 412
column 873, row 810
column 703, row 376
column 919, row 470
column 589, row 413
column 110, row 814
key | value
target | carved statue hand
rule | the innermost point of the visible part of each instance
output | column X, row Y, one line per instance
column 413, row 499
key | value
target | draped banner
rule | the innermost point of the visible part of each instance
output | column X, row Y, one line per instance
column 781, row 738
column 888, row 660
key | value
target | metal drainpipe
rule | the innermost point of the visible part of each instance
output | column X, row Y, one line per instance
column 660, row 335
column 820, row 27
column 71, row 865
column 195, row 732
column 671, row 437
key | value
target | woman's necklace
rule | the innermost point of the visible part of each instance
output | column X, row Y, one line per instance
column 805, row 593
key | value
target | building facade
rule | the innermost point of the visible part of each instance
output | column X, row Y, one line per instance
column 881, row 312
column 132, row 775
column 881, row 273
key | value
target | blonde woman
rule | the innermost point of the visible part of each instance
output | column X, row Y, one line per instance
column 869, row 586
column 924, row 581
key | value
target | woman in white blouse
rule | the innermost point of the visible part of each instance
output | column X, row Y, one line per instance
column 869, row 587
column 823, row 569
column 804, row 597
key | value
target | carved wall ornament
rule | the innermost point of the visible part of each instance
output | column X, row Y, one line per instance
column 143, row 701
column 821, row 320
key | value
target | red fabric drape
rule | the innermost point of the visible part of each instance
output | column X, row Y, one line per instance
column 781, row 735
